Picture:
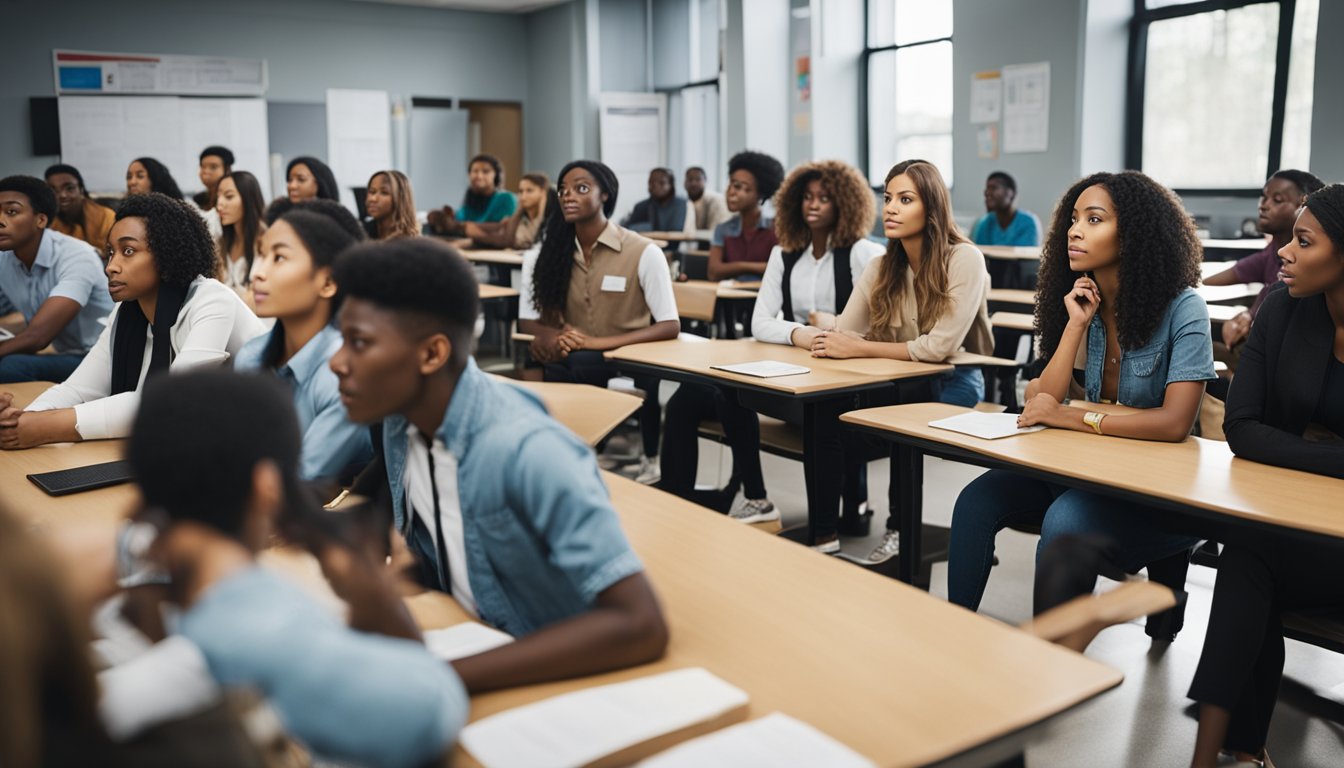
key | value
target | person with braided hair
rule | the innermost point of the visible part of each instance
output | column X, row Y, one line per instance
column 1117, row 312
column 593, row 286
column 171, row 315
column 1285, row 407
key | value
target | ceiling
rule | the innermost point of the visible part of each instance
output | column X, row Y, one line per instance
column 493, row 6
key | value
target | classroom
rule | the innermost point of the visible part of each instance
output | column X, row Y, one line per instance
column 774, row 383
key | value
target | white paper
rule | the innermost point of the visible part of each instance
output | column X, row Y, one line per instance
column 577, row 728
column 989, row 426
column 764, row 369
column 1026, row 107
column 359, row 136
column 776, row 740
column 986, row 97
column 466, row 639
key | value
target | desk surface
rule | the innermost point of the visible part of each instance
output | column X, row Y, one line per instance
column 491, row 292
column 825, row 374
column 1197, row 473
column 1012, row 252
column 1221, row 294
column 1013, row 296
column 731, row 290
column 679, row 237
column 1249, row 244
column 590, row 412
column 902, row 677
column 508, row 257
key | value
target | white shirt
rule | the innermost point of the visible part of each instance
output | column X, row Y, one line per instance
column 236, row 272
column 210, row 329
column 655, row 280
column 420, row 496
column 812, row 284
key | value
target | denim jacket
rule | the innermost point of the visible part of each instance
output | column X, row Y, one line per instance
column 541, row 537
column 1180, row 349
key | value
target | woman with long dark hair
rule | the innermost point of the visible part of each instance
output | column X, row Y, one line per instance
column 391, row 206
column 307, row 178
column 240, row 205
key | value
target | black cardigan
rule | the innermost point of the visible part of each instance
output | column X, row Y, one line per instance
column 1279, row 382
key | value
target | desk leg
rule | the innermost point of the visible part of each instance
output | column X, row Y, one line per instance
column 811, row 471
column 907, row 463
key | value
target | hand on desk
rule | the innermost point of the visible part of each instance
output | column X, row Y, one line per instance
column 1236, row 329
column 1042, row 409
column 26, row 429
column 838, row 344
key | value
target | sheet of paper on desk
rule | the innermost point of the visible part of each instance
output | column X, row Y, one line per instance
column 463, row 640
column 577, row 728
column 776, row 740
column 989, row 426
column 763, row 369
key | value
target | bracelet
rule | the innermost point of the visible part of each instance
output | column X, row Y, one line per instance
column 1093, row 420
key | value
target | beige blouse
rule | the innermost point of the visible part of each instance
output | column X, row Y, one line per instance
column 965, row 325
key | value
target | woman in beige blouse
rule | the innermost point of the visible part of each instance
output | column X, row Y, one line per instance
column 536, row 198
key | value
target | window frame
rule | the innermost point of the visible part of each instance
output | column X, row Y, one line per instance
column 865, row 88
column 1136, row 80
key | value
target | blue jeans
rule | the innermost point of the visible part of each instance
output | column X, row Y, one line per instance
column 53, row 368
column 1000, row 498
column 963, row 385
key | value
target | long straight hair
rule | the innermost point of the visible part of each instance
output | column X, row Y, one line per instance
column 249, row 190
column 404, row 223
column 939, row 237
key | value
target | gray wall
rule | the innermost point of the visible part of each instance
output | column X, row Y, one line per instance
column 556, row 125
column 1327, row 117
column 623, row 29
column 311, row 45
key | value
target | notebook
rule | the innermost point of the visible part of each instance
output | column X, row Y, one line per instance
column 87, row 478
column 763, row 369
column 776, row 740
column 463, row 640
column 988, row 426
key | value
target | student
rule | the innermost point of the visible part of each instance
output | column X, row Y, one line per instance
column 145, row 175
column 486, row 199
column 664, row 210
column 307, row 178
column 53, row 280
column 172, row 315
column 503, row 506
column 216, row 163
column 1280, row 199
column 77, row 214
column 536, row 201
column 710, row 209
column 239, row 206
column 594, row 286
column 742, row 244
column 825, row 211
column 923, row 300
column 369, row 693
column 292, row 283
column 391, row 206
column 1004, row 224
column 1285, row 407
column 1116, row 307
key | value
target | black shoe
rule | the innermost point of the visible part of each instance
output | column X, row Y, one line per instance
column 1167, row 624
column 857, row 525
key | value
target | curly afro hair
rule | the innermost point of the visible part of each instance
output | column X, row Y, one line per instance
column 1159, row 258
column 767, row 171
column 855, row 208
column 182, row 247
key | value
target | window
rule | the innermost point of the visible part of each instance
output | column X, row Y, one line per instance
column 1221, row 91
column 908, row 67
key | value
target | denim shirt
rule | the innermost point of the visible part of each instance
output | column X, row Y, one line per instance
column 541, row 537
column 1180, row 349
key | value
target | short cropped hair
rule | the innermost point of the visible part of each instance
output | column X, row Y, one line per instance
column 249, row 419
column 1004, row 178
column 52, row 170
column 40, row 197
column 1305, row 181
column 339, row 214
column 223, row 153
column 418, row 276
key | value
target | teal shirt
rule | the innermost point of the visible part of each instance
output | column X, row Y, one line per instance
column 1024, row 229
column 501, row 206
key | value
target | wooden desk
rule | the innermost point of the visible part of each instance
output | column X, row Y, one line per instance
column 917, row 681
column 1011, row 252
column 680, row 237
column 508, row 258
column 1221, row 313
column 1016, row 321
column 1196, row 478
column 496, row 292
column 1012, row 296
column 1229, row 294
column 590, row 412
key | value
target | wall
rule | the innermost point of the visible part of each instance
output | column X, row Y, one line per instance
column 555, row 121
column 756, row 52
column 311, row 45
column 623, row 30
column 1327, row 118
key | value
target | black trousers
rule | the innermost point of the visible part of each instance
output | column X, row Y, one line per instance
column 1242, row 662
column 692, row 404
column 590, row 367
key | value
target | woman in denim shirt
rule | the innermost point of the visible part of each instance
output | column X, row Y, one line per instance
column 1116, row 303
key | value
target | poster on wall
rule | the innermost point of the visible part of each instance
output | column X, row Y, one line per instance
column 359, row 137
column 986, row 97
column 1026, row 107
column 90, row 72
column 987, row 142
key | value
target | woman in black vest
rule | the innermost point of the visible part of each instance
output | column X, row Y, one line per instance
column 824, row 211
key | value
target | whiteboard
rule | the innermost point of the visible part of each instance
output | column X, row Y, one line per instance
column 438, row 156
column 633, row 135
column 359, row 137
column 101, row 135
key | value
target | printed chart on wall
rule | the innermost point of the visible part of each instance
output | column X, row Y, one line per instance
column 137, row 73
column 986, row 109
column 1026, row 107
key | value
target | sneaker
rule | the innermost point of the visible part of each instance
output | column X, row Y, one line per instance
column 755, row 511
column 649, row 471
column 828, row 546
column 889, row 548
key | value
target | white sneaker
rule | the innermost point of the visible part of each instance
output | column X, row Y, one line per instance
column 649, row 471
column 828, row 546
column 889, row 548
column 755, row 511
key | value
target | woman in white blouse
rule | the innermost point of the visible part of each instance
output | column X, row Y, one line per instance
column 171, row 315
column 240, row 207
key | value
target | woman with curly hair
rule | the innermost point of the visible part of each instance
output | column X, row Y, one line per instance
column 824, row 212
column 1116, row 309
column 594, row 286
column 171, row 315
column 391, row 206
column 741, row 245
column 1285, row 407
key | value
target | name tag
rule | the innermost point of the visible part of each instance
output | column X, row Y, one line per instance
column 613, row 283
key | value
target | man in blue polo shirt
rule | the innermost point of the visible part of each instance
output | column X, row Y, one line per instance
column 1004, row 224
column 55, row 281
